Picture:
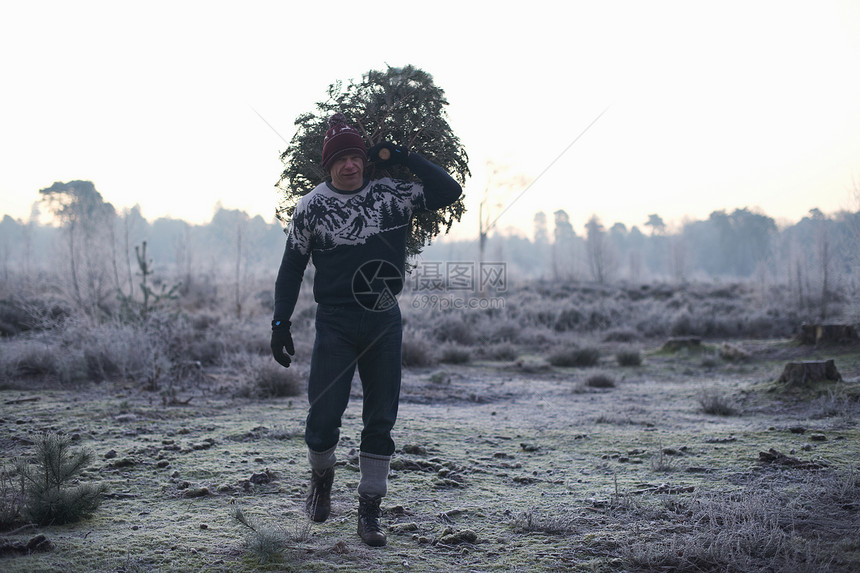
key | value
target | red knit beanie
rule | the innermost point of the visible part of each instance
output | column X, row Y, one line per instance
column 341, row 139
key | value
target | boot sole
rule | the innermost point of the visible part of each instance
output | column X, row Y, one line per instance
column 374, row 542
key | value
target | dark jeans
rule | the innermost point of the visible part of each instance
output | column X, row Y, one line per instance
column 346, row 338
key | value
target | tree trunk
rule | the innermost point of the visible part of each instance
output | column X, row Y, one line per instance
column 808, row 371
column 73, row 266
column 827, row 334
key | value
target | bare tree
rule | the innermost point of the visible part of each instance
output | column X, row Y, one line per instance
column 600, row 256
column 541, row 231
column 853, row 250
column 182, row 251
column 563, row 254
column 822, row 243
column 238, row 275
column 678, row 258
column 497, row 196
column 133, row 225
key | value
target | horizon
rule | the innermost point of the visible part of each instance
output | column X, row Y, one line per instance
column 504, row 231
column 709, row 107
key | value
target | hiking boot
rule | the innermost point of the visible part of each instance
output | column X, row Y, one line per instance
column 318, row 504
column 368, row 520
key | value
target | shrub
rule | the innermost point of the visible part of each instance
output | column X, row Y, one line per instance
column 579, row 357
column 732, row 353
column 41, row 358
column 620, row 335
column 629, row 358
column 452, row 354
column 416, row 352
column 29, row 358
column 682, row 325
column 451, row 329
column 501, row 351
column 274, row 381
column 568, row 319
column 13, row 319
column 206, row 351
column 508, row 331
column 600, row 381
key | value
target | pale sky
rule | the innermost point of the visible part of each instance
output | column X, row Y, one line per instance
column 711, row 105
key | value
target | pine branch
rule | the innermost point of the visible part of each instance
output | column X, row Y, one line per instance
column 239, row 515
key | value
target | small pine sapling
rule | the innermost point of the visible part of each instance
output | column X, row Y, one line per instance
column 51, row 499
column 265, row 543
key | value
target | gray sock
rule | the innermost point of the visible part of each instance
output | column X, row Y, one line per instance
column 321, row 461
column 374, row 474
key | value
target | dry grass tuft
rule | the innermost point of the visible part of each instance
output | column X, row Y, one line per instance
column 660, row 463
column 12, row 498
column 555, row 521
column 737, row 532
column 715, row 403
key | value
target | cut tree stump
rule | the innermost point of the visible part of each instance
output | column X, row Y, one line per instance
column 808, row 371
column 828, row 334
column 677, row 343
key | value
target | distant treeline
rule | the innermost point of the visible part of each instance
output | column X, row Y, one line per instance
column 741, row 245
column 98, row 245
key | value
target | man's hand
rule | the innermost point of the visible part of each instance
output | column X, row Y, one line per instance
column 281, row 340
column 397, row 155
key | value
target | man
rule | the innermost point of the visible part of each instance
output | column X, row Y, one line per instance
column 354, row 227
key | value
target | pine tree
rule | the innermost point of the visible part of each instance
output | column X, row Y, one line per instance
column 50, row 498
column 400, row 105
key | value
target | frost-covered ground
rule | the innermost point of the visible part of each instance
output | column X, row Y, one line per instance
column 501, row 466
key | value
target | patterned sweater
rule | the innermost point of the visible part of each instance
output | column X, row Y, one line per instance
column 347, row 233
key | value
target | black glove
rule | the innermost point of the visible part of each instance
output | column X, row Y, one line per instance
column 282, row 339
column 398, row 155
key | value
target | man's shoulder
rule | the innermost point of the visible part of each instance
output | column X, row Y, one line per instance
column 391, row 183
column 312, row 195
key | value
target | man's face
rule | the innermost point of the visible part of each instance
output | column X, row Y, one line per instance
column 347, row 172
